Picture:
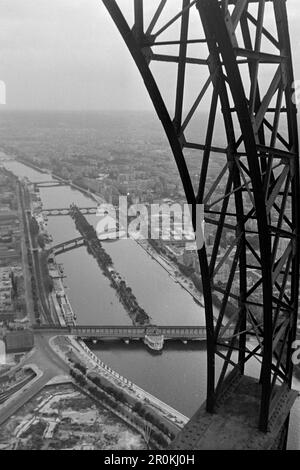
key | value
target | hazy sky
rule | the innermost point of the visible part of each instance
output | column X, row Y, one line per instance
column 66, row 54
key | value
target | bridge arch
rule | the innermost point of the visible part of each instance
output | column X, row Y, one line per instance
column 249, row 173
column 67, row 246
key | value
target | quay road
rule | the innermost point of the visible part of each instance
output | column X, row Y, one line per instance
column 50, row 365
column 184, row 333
column 42, row 356
column 25, row 257
column 41, row 287
column 37, row 271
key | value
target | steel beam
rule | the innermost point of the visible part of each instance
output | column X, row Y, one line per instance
column 248, row 178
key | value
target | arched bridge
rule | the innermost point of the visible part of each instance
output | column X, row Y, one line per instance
column 51, row 212
column 67, row 246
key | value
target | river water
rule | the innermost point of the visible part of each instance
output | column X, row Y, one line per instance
column 178, row 375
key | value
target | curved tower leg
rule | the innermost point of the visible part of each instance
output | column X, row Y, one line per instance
column 233, row 117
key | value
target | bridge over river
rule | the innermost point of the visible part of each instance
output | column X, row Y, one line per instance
column 56, row 211
column 184, row 333
column 67, row 246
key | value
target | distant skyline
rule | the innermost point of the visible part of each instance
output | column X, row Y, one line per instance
column 68, row 54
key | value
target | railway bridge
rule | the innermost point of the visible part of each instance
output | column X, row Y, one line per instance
column 188, row 333
column 96, row 332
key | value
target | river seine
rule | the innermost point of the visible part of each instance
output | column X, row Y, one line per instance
column 178, row 375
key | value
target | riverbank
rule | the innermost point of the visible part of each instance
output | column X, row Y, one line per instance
column 58, row 305
column 172, row 270
column 64, row 346
column 91, row 194
column 30, row 164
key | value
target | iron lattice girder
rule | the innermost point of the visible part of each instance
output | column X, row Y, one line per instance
column 249, row 183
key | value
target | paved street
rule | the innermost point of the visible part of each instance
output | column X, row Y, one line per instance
column 48, row 362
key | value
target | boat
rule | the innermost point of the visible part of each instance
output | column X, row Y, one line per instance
column 154, row 340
